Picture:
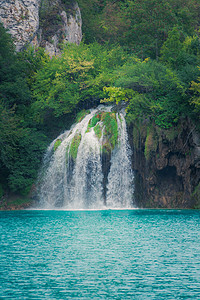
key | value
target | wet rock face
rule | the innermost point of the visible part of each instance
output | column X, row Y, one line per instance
column 168, row 177
column 21, row 18
column 45, row 23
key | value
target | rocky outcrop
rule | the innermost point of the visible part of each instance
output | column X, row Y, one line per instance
column 45, row 23
column 60, row 21
column 21, row 18
column 167, row 165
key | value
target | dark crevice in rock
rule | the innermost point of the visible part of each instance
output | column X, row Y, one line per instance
column 106, row 163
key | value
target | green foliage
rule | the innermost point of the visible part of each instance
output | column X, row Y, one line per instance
column 102, row 20
column 10, row 133
column 39, row 94
column 35, row 59
column 57, row 144
column 7, row 48
column 155, row 92
column 195, row 100
column 76, row 78
column 26, row 162
column 139, row 26
column 118, row 94
column 19, row 202
column 13, row 86
column 73, row 150
column 182, row 55
column 172, row 48
column 21, row 150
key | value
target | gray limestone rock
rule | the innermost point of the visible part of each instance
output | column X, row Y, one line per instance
column 45, row 23
column 21, row 18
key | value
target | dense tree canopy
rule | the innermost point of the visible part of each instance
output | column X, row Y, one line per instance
column 21, row 146
column 139, row 26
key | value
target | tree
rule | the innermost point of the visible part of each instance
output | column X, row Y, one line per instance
column 13, row 86
column 74, row 80
column 158, row 94
column 195, row 101
column 21, row 151
column 139, row 26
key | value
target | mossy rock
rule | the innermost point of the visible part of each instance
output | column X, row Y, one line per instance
column 57, row 144
column 172, row 133
column 136, row 137
column 109, row 122
column 111, row 128
column 151, row 142
column 1, row 191
column 73, row 149
column 98, row 131
column 139, row 133
column 81, row 115
column 15, row 203
column 107, row 148
column 93, row 122
column 196, row 196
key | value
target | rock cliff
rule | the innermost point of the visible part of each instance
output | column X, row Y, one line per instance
column 44, row 23
column 21, row 18
column 60, row 21
column 167, row 165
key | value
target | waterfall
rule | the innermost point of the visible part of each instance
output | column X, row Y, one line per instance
column 120, row 177
column 89, row 166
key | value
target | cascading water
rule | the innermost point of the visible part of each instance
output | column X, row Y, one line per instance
column 120, row 189
column 75, row 173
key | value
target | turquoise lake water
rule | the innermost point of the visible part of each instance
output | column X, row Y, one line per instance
column 127, row 254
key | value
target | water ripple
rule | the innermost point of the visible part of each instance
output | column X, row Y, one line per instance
column 138, row 254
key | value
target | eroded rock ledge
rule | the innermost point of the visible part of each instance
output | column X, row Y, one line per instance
column 167, row 165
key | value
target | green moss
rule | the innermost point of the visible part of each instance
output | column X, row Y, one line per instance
column 111, row 128
column 151, row 142
column 171, row 133
column 98, row 131
column 93, row 121
column 109, row 122
column 20, row 201
column 81, row 115
column 26, row 190
column 136, row 137
column 57, row 144
column 196, row 196
column 120, row 118
column 73, row 150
